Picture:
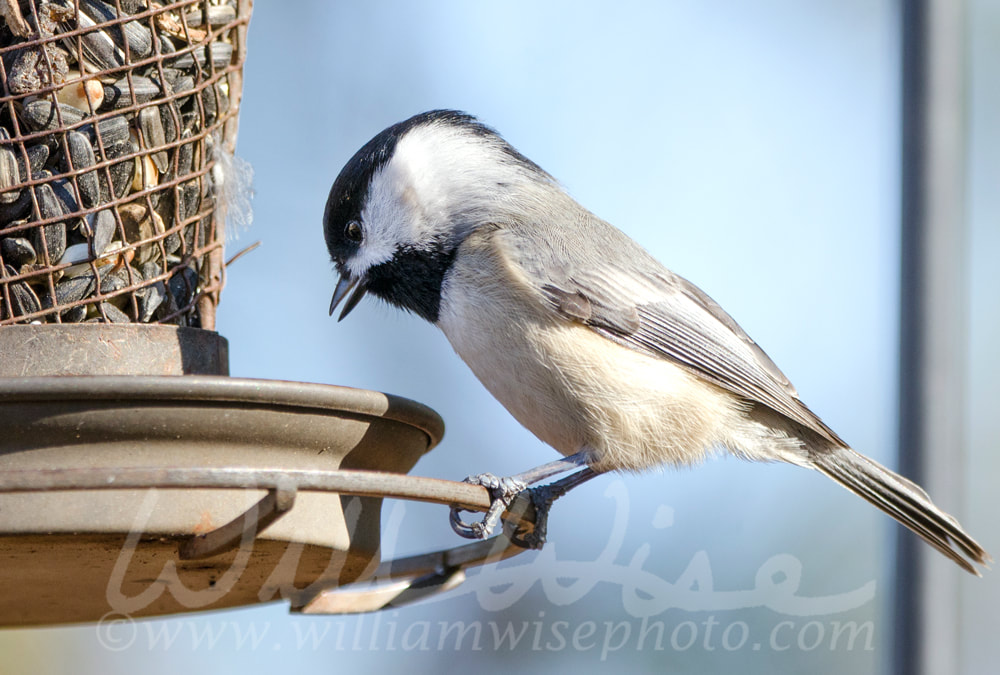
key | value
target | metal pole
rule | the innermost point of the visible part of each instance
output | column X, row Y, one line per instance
column 933, row 321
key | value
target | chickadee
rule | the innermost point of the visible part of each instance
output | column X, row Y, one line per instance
column 588, row 341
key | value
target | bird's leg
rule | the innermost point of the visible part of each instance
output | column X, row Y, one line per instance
column 542, row 497
column 504, row 489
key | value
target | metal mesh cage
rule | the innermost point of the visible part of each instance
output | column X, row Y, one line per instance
column 115, row 120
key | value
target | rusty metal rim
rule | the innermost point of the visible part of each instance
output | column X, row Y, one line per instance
column 216, row 388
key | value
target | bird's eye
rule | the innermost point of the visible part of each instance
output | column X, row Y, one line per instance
column 353, row 231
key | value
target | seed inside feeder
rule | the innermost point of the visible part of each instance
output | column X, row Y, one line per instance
column 106, row 161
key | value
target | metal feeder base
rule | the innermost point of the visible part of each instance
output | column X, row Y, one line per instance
column 70, row 554
column 111, row 349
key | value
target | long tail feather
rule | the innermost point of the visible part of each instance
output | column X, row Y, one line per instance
column 903, row 500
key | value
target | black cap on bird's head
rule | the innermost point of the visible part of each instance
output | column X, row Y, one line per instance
column 394, row 217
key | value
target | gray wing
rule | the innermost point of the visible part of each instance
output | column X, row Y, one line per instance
column 623, row 293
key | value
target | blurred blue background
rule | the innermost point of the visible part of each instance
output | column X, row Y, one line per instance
column 751, row 147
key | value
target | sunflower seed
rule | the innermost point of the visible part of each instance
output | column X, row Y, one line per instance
column 182, row 83
column 49, row 238
column 104, row 48
column 74, row 314
column 66, row 194
column 151, row 128
column 81, row 156
column 72, row 289
column 115, row 281
column 169, row 118
column 80, row 259
column 149, row 298
column 183, row 286
column 219, row 53
column 22, row 299
column 38, row 155
column 17, row 251
column 120, row 93
column 140, row 40
column 111, row 130
column 42, row 114
column 121, row 172
column 16, row 209
column 113, row 314
column 75, row 254
column 132, row 33
column 217, row 15
column 215, row 102
column 10, row 176
column 167, row 45
column 99, row 51
column 102, row 228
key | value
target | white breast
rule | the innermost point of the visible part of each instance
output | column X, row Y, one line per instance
column 571, row 387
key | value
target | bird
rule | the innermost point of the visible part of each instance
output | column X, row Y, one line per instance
column 582, row 335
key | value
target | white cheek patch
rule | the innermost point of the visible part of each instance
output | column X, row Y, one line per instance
column 433, row 184
column 387, row 219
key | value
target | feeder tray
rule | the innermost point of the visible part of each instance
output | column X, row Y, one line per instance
column 146, row 514
column 149, row 494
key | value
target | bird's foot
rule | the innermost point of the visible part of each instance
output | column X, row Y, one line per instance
column 502, row 492
column 542, row 498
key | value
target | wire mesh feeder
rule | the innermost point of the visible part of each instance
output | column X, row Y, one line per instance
column 115, row 121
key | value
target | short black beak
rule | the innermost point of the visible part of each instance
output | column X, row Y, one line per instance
column 344, row 286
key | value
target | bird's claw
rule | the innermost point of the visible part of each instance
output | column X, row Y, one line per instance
column 502, row 492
